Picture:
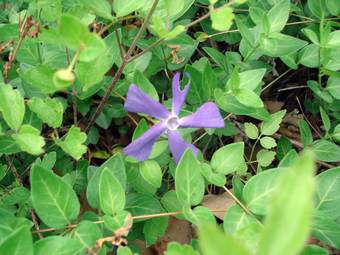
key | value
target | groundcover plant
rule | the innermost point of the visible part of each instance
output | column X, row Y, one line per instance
column 176, row 127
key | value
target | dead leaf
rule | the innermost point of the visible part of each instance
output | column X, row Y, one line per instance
column 178, row 231
column 273, row 106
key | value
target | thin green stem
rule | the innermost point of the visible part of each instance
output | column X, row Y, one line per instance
column 275, row 80
column 244, row 208
column 253, row 148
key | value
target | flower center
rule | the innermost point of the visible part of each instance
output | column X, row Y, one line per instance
column 172, row 123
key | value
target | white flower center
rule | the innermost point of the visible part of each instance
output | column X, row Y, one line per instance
column 172, row 123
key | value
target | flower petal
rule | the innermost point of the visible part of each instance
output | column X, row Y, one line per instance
column 206, row 116
column 141, row 147
column 178, row 95
column 178, row 145
column 138, row 101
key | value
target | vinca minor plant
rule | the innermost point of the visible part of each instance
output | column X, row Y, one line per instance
column 176, row 127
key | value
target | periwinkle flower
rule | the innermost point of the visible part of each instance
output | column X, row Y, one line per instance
column 206, row 116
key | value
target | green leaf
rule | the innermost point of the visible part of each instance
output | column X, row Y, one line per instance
column 180, row 249
column 289, row 219
column 251, row 130
column 278, row 15
column 56, row 245
column 326, row 151
column 333, row 7
column 8, row 145
column 257, row 191
column 140, row 204
column 188, row 180
column 12, row 106
column 284, row 146
column 49, row 110
column 87, row 233
column 336, row 133
column 41, row 78
column 312, row 35
column 229, row 103
column 327, row 198
column 317, row 7
column 270, row 126
column 333, row 87
column 217, row 57
column 326, row 230
column 151, row 172
column 244, row 31
column 3, row 171
column 314, row 250
column 305, row 133
column 10, row 224
column 252, row 78
column 236, row 219
column 145, row 85
column 122, row 8
column 73, row 143
column 55, row 202
column 170, row 202
column 217, row 179
column 19, row 195
column 249, row 98
column 278, row 44
column 309, row 56
column 160, row 27
column 265, row 157
column 124, row 250
column 319, row 92
column 91, row 73
column 198, row 215
column 268, row 142
column 204, row 81
column 155, row 228
column 334, row 39
column 222, row 18
column 111, row 193
column 234, row 81
column 72, row 31
column 92, row 47
column 102, row 8
column 138, row 182
column 9, row 32
column 18, row 242
column 325, row 119
column 213, row 242
column 121, row 219
column 228, row 158
column 116, row 165
column 29, row 140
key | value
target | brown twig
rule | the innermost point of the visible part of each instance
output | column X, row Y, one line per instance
column 21, row 184
column 245, row 209
column 121, row 68
column 73, row 93
column 138, row 217
column 23, row 30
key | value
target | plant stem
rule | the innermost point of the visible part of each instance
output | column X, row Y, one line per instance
column 138, row 217
column 245, row 209
column 121, row 68
column 275, row 80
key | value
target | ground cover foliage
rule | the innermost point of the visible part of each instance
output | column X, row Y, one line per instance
column 241, row 156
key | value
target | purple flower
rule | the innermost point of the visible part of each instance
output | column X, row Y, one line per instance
column 206, row 116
